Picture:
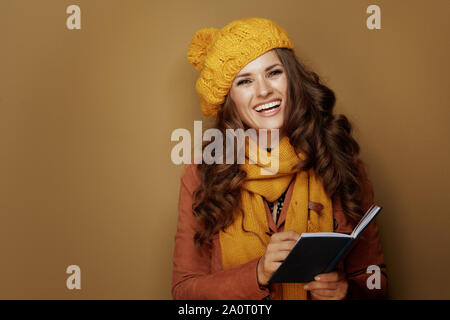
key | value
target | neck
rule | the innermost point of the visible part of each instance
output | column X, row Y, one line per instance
column 269, row 139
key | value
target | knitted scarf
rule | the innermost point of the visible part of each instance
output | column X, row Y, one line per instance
column 246, row 239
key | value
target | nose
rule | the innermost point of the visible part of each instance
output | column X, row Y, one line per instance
column 263, row 87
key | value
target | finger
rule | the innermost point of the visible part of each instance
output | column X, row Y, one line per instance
column 276, row 256
column 315, row 285
column 324, row 292
column 324, row 295
column 330, row 277
column 281, row 246
column 286, row 235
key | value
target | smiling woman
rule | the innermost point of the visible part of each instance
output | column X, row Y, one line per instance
column 235, row 225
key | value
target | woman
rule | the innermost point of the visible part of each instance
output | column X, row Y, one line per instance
column 236, row 223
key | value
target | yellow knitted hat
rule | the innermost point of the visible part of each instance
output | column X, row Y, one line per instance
column 219, row 55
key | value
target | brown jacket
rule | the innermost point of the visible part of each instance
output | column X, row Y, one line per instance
column 200, row 275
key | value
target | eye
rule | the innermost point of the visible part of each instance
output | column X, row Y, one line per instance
column 243, row 82
column 275, row 72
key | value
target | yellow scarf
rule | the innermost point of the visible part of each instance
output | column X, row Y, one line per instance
column 239, row 246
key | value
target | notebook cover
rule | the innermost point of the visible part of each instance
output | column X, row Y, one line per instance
column 309, row 257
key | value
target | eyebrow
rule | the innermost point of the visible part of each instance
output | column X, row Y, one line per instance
column 267, row 69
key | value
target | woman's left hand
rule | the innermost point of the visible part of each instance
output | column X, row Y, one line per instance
column 328, row 286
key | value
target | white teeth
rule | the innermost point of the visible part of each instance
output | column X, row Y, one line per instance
column 268, row 105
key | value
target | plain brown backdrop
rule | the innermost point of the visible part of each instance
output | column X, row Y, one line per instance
column 86, row 118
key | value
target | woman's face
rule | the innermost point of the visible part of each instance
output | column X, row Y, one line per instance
column 259, row 92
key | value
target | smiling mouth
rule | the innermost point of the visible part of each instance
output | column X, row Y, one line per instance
column 268, row 107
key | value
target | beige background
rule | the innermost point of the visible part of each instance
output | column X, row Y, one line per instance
column 86, row 118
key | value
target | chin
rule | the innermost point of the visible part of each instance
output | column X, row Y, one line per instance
column 271, row 125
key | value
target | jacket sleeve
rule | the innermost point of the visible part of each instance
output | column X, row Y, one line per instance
column 364, row 264
column 194, row 276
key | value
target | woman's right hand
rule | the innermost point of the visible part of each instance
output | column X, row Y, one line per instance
column 281, row 243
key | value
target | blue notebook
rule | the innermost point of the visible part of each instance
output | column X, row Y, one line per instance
column 319, row 252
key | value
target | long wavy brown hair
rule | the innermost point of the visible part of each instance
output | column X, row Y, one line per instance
column 324, row 138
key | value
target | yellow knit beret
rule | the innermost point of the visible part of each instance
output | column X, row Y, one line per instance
column 219, row 55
